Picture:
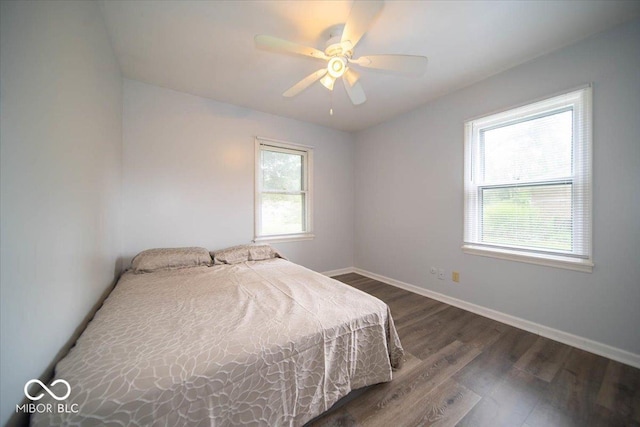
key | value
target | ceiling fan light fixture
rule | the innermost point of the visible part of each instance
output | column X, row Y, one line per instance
column 336, row 67
column 328, row 81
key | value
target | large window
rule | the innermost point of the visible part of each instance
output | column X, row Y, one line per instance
column 283, row 191
column 528, row 183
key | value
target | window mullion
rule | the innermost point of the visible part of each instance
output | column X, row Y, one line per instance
column 517, row 184
column 284, row 192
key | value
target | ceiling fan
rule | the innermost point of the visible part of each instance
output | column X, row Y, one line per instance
column 339, row 55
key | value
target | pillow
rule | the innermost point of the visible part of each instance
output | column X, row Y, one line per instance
column 169, row 258
column 258, row 252
column 233, row 255
column 242, row 253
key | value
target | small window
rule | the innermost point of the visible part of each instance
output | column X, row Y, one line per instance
column 283, row 191
column 528, row 183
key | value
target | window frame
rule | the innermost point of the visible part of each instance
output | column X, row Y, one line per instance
column 580, row 258
column 307, row 189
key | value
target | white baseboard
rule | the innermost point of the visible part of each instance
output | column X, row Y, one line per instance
column 339, row 271
column 582, row 343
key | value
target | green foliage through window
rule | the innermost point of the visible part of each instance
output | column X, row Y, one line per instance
column 531, row 216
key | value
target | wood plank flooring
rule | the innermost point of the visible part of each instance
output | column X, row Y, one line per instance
column 466, row 370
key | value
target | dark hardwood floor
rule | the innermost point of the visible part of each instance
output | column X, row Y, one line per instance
column 466, row 370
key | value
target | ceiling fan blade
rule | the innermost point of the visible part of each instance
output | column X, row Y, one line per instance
column 305, row 83
column 360, row 18
column 411, row 65
column 274, row 43
column 355, row 91
column 351, row 76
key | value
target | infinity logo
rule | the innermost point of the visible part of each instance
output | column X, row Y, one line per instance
column 52, row 394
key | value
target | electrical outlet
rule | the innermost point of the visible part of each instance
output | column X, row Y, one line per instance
column 455, row 276
column 441, row 274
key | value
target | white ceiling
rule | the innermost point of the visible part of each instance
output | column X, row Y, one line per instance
column 206, row 48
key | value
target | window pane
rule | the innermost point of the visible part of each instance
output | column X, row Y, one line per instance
column 282, row 214
column 528, row 151
column 532, row 216
column 281, row 171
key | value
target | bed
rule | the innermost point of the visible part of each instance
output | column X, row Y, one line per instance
column 248, row 340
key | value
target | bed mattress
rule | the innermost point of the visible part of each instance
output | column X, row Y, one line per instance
column 261, row 342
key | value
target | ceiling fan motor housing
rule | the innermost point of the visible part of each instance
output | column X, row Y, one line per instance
column 333, row 46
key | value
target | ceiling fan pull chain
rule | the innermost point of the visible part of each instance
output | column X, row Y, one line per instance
column 331, row 103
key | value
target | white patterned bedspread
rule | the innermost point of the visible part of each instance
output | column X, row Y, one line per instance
column 263, row 343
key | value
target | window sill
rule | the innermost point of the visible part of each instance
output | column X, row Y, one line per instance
column 285, row 238
column 569, row 263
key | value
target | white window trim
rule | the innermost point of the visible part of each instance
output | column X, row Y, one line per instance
column 308, row 190
column 471, row 152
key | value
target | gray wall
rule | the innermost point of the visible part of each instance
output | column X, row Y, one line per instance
column 189, row 176
column 409, row 196
column 60, row 149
